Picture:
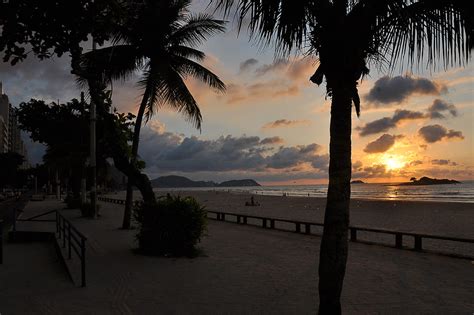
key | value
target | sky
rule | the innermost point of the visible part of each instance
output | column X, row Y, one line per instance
column 272, row 123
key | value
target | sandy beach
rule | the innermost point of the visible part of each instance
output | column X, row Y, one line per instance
column 437, row 218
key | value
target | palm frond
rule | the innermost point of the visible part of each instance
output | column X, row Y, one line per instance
column 186, row 67
column 167, row 87
column 196, row 30
column 188, row 52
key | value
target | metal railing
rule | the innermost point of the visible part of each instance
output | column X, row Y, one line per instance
column 304, row 227
column 72, row 239
column 1, row 241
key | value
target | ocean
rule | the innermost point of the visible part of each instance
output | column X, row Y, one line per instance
column 463, row 192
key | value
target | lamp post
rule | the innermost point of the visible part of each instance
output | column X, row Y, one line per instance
column 93, row 164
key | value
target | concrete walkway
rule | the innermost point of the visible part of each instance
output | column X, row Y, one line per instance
column 244, row 270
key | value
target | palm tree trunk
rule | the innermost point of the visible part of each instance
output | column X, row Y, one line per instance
column 334, row 243
column 127, row 214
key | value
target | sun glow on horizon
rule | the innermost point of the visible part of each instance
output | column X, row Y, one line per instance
column 393, row 162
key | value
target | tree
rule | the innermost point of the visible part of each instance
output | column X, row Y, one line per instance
column 160, row 39
column 347, row 36
column 64, row 129
column 54, row 28
column 10, row 173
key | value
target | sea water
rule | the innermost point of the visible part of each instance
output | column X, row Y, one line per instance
column 463, row 192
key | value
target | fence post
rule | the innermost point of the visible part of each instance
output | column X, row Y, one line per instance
column 245, row 220
column 307, row 228
column 353, row 234
column 398, row 240
column 418, row 243
column 272, row 223
column 298, row 227
column 264, row 222
column 238, row 219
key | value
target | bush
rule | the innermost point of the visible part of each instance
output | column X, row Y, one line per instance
column 87, row 210
column 172, row 226
column 72, row 202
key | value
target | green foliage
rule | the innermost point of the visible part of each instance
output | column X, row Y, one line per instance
column 172, row 226
column 87, row 210
column 10, row 174
column 72, row 202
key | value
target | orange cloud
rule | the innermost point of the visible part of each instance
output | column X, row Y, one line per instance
column 285, row 123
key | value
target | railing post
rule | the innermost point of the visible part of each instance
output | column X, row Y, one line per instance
column 264, row 222
column 398, row 240
column 1, row 242
column 353, row 234
column 69, row 241
column 238, row 219
column 307, row 228
column 222, row 216
column 57, row 222
column 83, row 262
column 64, row 234
column 272, row 223
column 298, row 227
column 418, row 245
column 245, row 220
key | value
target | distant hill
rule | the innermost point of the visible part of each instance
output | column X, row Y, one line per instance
column 173, row 181
column 430, row 181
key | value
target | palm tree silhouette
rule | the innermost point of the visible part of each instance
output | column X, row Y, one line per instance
column 348, row 36
column 159, row 38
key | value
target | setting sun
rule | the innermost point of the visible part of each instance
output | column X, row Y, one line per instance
column 393, row 162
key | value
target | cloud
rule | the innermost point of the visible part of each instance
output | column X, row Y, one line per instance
column 440, row 162
column 395, row 90
column 382, row 144
column 285, row 123
column 386, row 123
column 415, row 163
column 247, row 64
column 435, row 111
column 376, row 170
column 435, row 133
column 272, row 140
column 277, row 65
column 169, row 152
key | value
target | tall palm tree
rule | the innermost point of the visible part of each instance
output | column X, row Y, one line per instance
column 159, row 38
column 347, row 36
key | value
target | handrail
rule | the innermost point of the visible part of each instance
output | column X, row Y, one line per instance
column 269, row 223
column 74, row 240
column 1, row 241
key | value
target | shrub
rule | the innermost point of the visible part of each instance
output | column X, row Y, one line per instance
column 172, row 226
column 87, row 210
column 72, row 202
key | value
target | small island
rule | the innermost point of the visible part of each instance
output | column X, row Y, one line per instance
column 358, row 181
column 429, row 181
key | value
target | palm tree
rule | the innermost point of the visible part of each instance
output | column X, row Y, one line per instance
column 159, row 38
column 348, row 36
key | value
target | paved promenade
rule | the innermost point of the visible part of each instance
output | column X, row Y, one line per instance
column 244, row 270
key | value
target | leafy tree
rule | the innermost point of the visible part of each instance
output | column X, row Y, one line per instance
column 10, row 172
column 53, row 28
column 348, row 36
column 160, row 39
column 64, row 129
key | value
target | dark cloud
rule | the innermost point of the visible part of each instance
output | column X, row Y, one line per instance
column 377, row 170
column 285, row 123
column 279, row 64
column 415, row 163
column 247, row 64
column 386, row 123
column 382, row 144
column 356, row 166
column 435, row 133
column 435, row 111
column 272, row 140
column 440, row 162
column 168, row 152
column 397, row 89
